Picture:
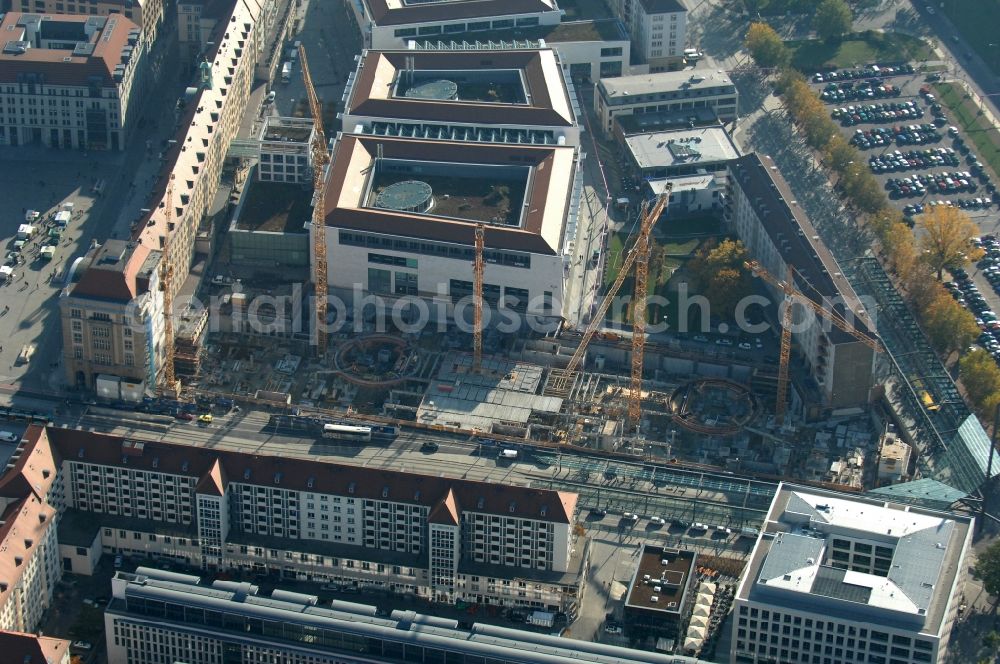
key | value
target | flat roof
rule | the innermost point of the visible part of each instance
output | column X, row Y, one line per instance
column 404, row 627
column 285, row 129
column 599, row 30
column 817, row 273
column 681, row 147
column 795, row 558
column 374, row 91
column 644, row 84
column 405, row 12
column 275, row 207
column 669, row 571
column 545, row 207
column 662, row 6
column 99, row 44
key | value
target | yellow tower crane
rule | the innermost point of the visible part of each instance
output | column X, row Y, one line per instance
column 320, row 157
column 794, row 295
column 170, row 382
column 477, row 297
column 562, row 379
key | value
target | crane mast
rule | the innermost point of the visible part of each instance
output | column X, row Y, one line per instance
column 647, row 219
column 477, row 297
column 170, row 382
column 320, row 157
column 641, row 250
column 794, row 295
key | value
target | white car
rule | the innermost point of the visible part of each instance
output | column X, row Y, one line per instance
column 657, row 520
column 8, row 437
column 629, row 516
column 84, row 646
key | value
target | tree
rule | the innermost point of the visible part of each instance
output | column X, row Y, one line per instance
column 901, row 248
column 766, row 47
column 832, row 19
column 981, row 378
column 861, row 188
column 719, row 275
column 839, row 153
column 947, row 242
column 987, row 568
column 948, row 325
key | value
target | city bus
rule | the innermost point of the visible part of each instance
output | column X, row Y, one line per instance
column 347, row 432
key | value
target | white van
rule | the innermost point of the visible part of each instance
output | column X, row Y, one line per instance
column 508, row 454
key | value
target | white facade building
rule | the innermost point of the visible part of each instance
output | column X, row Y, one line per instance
column 673, row 92
column 70, row 81
column 658, row 29
column 427, row 252
column 392, row 531
column 388, row 24
column 836, row 579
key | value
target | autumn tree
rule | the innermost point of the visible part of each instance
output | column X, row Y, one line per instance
column 838, row 153
column 981, row 378
column 861, row 188
column 987, row 568
column 766, row 47
column 718, row 273
column 948, row 324
column 947, row 240
column 832, row 19
column 901, row 248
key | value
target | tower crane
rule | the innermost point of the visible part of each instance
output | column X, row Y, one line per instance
column 792, row 294
column 640, row 250
column 170, row 382
column 477, row 297
column 320, row 157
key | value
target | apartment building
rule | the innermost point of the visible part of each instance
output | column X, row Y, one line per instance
column 693, row 91
column 147, row 14
column 227, row 621
column 70, row 81
column 210, row 119
column 432, row 537
column 421, row 243
column 389, row 24
column 19, row 648
column 762, row 213
column 469, row 95
column 658, row 29
column 196, row 21
column 850, row 579
column 31, row 497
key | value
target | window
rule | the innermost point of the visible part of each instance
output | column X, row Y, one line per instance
column 379, row 281
column 406, row 283
column 505, row 23
column 609, row 52
column 405, row 32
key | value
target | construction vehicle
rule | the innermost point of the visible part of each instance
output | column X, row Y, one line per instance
column 792, row 294
column 320, row 157
column 648, row 216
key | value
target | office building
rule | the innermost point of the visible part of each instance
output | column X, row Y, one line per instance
column 31, row 497
column 388, row 24
column 20, row 648
column 659, row 596
column 761, row 211
column 228, row 621
column 70, row 81
column 436, row 538
column 401, row 215
column 146, row 14
column 209, row 118
column 696, row 91
column 849, row 579
column 493, row 96
column 658, row 29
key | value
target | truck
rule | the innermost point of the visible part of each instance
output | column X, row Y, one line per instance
column 286, row 72
column 541, row 619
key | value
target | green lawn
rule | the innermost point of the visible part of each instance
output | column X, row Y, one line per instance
column 977, row 21
column 975, row 127
column 862, row 48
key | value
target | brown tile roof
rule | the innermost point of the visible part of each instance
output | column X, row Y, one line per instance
column 52, row 65
column 111, row 278
column 320, row 477
column 34, row 471
column 401, row 14
column 213, row 482
column 535, row 234
column 367, row 100
column 446, row 511
column 20, row 648
column 25, row 523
